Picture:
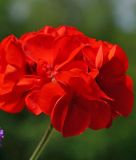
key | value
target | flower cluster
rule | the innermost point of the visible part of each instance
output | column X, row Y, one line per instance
column 79, row 82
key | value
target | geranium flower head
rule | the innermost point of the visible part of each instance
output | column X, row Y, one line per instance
column 79, row 82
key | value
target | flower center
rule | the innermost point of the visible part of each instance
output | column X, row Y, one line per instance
column 46, row 70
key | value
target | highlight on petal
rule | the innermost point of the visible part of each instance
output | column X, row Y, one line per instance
column 59, row 113
column 68, row 30
column 99, row 58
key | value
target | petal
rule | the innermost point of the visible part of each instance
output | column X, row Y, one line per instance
column 48, row 96
column 12, row 103
column 27, row 36
column 73, row 48
column 48, row 30
column 68, row 30
column 99, row 58
column 65, row 76
column 13, row 52
column 90, row 56
column 123, row 97
column 76, row 121
column 26, row 83
column 81, row 83
column 72, row 81
column 114, row 83
column 8, row 79
column 76, row 64
column 59, row 112
column 101, row 116
column 15, row 55
column 38, row 47
column 32, row 104
column 122, row 57
column 110, row 73
column 69, row 119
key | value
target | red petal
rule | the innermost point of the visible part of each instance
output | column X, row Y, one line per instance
column 82, row 84
column 27, row 36
column 101, row 116
column 76, row 121
column 111, row 73
column 90, row 56
column 99, row 58
column 13, row 52
column 59, row 112
column 48, row 30
column 39, row 46
column 32, row 102
column 8, row 79
column 69, row 119
column 123, row 97
column 12, row 103
column 122, row 57
column 15, row 55
column 113, row 82
column 68, row 30
column 76, row 64
column 48, row 96
column 26, row 83
column 73, row 50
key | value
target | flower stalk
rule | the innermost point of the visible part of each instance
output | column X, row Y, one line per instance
column 42, row 144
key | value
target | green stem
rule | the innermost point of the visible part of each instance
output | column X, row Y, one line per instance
column 42, row 144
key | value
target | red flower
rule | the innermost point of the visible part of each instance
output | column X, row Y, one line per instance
column 14, row 83
column 47, row 55
column 73, row 102
column 11, row 69
column 112, row 64
column 79, row 82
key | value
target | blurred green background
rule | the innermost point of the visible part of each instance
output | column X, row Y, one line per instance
column 111, row 20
